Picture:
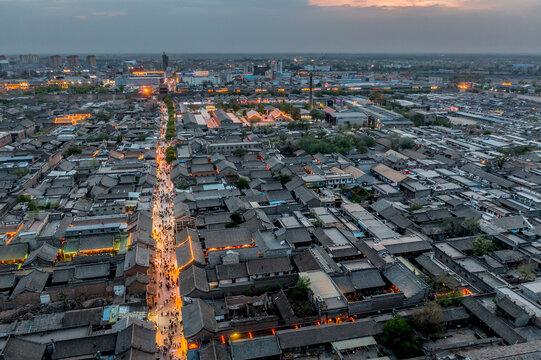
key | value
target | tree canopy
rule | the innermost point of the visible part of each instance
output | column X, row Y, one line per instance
column 483, row 245
column 243, row 183
column 398, row 336
column 427, row 319
column 170, row 154
column 453, row 227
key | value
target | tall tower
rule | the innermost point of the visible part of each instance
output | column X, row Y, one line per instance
column 165, row 61
column 310, row 98
column 73, row 61
column 55, row 61
column 91, row 61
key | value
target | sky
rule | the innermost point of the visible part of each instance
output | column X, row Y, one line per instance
column 269, row 26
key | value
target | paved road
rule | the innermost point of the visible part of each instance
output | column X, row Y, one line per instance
column 166, row 311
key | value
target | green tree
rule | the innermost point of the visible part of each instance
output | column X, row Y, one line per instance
column 369, row 140
column 417, row 119
column 103, row 116
column 102, row 136
column 243, row 183
column 359, row 194
column 453, row 227
column 283, row 178
column 471, row 227
column 483, row 245
column 452, row 299
column 301, row 288
column 395, row 141
column 317, row 114
column 170, row 154
column 317, row 223
column 239, row 152
column 23, row 198
column 406, row 143
column 500, row 160
column 182, row 184
column 398, row 336
column 526, row 271
column 73, row 150
column 236, row 217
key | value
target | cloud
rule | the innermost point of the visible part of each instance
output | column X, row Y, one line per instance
column 459, row 4
column 81, row 17
column 109, row 13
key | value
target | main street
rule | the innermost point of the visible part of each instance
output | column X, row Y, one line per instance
column 165, row 311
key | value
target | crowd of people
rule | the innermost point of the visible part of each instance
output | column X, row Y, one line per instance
column 165, row 309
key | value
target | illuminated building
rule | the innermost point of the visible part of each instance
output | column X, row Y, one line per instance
column 151, row 79
column 71, row 119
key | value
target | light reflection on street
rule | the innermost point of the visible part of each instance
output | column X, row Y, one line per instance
column 165, row 307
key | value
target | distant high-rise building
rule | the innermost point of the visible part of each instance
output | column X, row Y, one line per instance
column 4, row 63
column 91, row 60
column 30, row 59
column 165, row 61
column 55, row 61
column 73, row 61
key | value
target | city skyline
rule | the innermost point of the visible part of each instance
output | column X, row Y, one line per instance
column 242, row 26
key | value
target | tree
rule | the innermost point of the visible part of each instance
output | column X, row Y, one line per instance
column 395, row 141
column 73, row 150
column 301, row 288
column 317, row 114
column 454, row 228
column 415, row 207
column 369, row 140
column 359, row 194
column 526, row 271
column 170, row 154
column 500, row 160
column 236, row 217
column 283, row 178
column 239, row 152
column 452, row 299
column 398, row 336
column 182, row 184
column 23, row 198
column 417, row 119
column 483, row 245
column 406, row 143
column 243, row 183
column 427, row 319
column 295, row 113
column 102, row 116
column 102, row 136
column 471, row 227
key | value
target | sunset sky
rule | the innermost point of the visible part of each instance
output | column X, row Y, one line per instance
column 218, row 26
